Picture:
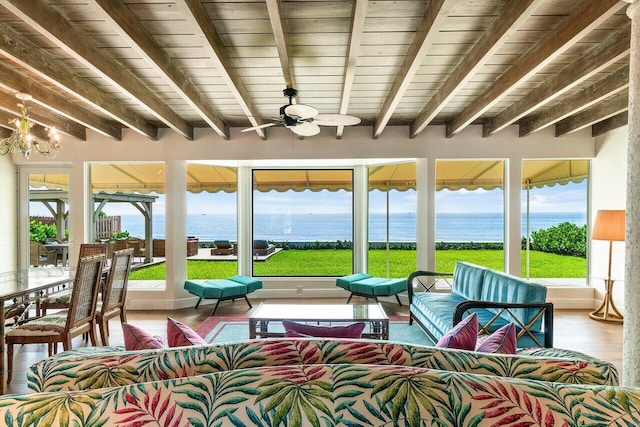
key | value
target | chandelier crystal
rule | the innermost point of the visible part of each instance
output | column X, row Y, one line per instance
column 21, row 140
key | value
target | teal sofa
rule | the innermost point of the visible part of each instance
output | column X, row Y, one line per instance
column 498, row 298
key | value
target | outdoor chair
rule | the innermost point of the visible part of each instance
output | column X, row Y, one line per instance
column 138, row 247
column 60, row 300
column 222, row 247
column 115, row 293
column 64, row 326
column 39, row 255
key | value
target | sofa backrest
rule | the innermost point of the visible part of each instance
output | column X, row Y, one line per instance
column 81, row 370
column 467, row 280
column 502, row 287
column 329, row 394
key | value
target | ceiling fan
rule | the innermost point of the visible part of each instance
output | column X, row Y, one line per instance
column 305, row 120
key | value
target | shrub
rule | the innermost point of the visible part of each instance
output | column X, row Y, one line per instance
column 40, row 232
column 120, row 235
column 563, row 239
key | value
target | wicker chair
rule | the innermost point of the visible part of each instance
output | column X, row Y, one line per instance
column 62, row 327
column 115, row 292
column 39, row 255
column 60, row 300
column 138, row 247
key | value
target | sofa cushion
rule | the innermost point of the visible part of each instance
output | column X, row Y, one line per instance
column 353, row 330
column 502, row 287
column 346, row 281
column 136, row 338
column 502, row 341
column 180, row 335
column 463, row 336
column 376, row 286
column 435, row 310
column 468, row 280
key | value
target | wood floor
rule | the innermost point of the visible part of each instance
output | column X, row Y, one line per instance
column 573, row 330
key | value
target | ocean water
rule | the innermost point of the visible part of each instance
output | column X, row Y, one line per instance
column 450, row 227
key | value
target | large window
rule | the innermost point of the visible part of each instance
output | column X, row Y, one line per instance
column 392, row 220
column 302, row 222
column 212, row 219
column 554, row 217
column 469, row 213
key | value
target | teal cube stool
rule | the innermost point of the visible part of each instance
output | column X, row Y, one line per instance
column 223, row 289
column 365, row 285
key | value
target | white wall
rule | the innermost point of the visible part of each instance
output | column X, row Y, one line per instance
column 8, row 215
column 608, row 191
column 283, row 148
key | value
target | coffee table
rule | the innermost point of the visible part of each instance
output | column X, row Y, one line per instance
column 267, row 313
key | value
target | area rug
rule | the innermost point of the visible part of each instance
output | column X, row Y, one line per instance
column 225, row 329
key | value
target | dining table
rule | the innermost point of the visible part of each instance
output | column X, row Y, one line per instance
column 23, row 288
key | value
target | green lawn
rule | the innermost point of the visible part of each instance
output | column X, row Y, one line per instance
column 330, row 262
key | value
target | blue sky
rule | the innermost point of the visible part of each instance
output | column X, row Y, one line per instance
column 560, row 198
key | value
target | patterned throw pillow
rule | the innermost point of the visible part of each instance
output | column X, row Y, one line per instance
column 353, row 330
column 463, row 336
column 502, row 341
column 136, row 338
column 180, row 335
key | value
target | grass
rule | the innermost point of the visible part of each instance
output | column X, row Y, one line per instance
column 338, row 262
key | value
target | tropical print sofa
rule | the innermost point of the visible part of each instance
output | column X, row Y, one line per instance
column 329, row 395
column 93, row 368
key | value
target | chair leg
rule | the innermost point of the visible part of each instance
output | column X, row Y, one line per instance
column 104, row 334
column 198, row 303
column 349, row 300
column 398, row 298
column 214, row 308
column 92, row 333
column 9, row 361
column 248, row 302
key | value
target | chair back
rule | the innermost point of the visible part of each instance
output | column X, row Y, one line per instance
column 84, row 293
column 88, row 249
column 115, row 290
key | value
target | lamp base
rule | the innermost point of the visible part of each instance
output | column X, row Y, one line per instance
column 607, row 312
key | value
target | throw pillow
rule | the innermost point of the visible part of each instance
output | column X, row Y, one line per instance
column 502, row 341
column 463, row 336
column 353, row 330
column 180, row 335
column 136, row 338
column 294, row 334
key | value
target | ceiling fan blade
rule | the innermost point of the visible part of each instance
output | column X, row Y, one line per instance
column 302, row 111
column 265, row 125
column 306, row 129
column 336, row 120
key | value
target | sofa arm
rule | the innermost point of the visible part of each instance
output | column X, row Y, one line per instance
column 545, row 312
column 427, row 288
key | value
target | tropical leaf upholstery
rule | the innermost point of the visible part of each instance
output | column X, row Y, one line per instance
column 328, row 395
column 81, row 369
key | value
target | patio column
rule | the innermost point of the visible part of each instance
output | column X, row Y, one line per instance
column 631, row 329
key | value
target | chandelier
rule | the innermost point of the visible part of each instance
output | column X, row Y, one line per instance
column 21, row 140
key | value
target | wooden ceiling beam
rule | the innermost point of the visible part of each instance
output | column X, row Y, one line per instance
column 607, row 125
column 514, row 14
column 358, row 15
column 279, row 28
column 43, row 117
column 37, row 130
column 196, row 14
column 587, row 16
column 18, row 82
column 602, row 111
column 131, row 30
column 46, row 66
column 48, row 22
column 615, row 48
column 432, row 22
column 586, row 98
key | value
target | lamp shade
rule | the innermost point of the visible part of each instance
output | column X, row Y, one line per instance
column 609, row 225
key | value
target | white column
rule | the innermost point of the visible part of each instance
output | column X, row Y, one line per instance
column 513, row 217
column 425, row 213
column 631, row 331
column 176, row 227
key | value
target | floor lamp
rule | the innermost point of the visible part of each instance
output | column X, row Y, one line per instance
column 609, row 225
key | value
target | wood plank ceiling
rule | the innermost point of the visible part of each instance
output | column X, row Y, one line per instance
column 106, row 65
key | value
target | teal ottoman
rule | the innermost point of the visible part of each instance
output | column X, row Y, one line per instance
column 223, row 289
column 365, row 285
